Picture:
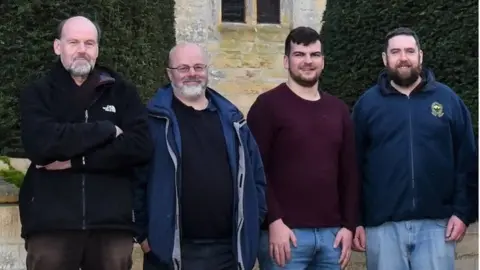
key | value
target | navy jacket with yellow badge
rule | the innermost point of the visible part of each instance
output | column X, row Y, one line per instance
column 414, row 152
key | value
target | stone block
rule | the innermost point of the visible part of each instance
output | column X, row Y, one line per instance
column 468, row 264
column 238, row 46
column 241, row 74
column 8, row 192
column 10, row 225
column 237, row 32
column 272, row 37
column 20, row 164
column 12, row 251
column 227, row 60
column 270, row 48
column 10, row 258
column 254, row 60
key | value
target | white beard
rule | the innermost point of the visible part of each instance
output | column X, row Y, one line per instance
column 81, row 67
column 192, row 91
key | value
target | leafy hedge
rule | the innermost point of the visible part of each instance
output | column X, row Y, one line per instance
column 136, row 37
column 354, row 31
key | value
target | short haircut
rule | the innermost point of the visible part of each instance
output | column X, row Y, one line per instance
column 62, row 23
column 301, row 35
column 401, row 31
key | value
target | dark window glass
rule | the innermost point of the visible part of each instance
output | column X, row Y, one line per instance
column 268, row 11
column 233, row 10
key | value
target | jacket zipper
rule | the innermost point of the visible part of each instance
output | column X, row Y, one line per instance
column 240, row 193
column 84, row 199
column 84, row 210
column 411, row 152
column 176, row 254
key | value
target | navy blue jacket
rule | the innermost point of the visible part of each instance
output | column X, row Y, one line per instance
column 414, row 152
column 156, row 192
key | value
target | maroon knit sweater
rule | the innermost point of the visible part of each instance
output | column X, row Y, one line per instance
column 308, row 151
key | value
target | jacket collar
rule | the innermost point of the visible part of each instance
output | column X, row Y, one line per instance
column 61, row 77
column 161, row 103
column 426, row 85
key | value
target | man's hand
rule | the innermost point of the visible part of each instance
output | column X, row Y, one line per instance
column 279, row 236
column 145, row 246
column 359, row 241
column 56, row 166
column 119, row 131
column 455, row 229
column 344, row 238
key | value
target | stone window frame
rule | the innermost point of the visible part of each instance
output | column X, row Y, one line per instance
column 251, row 14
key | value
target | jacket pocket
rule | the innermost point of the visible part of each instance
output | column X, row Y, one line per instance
column 54, row 200
column 108, row 200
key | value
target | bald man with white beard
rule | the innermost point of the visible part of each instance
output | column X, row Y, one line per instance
column 84, row 128
column 201, row 199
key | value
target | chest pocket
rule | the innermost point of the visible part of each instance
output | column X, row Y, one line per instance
column 432, row 118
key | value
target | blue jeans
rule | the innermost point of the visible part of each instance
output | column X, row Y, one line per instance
column 414, row 245
column 314, row 251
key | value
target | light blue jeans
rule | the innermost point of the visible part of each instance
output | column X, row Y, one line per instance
column 410, row 245
column 314, row 251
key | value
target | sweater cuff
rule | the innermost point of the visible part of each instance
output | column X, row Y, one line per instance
column 350, row 227
column 271, row 217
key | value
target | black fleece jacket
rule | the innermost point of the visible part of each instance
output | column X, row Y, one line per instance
column 62, row 121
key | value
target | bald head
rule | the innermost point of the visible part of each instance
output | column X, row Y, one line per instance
column 77, row 45
column 76, row 23
column 187, row 70
column 182, row 52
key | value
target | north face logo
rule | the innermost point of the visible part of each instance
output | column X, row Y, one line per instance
column 110, row 108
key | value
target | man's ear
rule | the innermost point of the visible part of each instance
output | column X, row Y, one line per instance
column 56, row 46
column 384, row 58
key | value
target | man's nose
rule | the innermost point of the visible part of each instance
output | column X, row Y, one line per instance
column 192, row 72
column 403, row 56
column 308, row 59
column 81, row 47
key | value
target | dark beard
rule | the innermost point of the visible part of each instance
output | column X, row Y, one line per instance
column 404, row 81
column 302, row 82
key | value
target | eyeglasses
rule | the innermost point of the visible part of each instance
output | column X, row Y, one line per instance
column 186, row 68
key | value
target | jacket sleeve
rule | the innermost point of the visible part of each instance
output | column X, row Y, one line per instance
column 140, row 201
column 464, row 154
column 45, row 139
column 260, row 123
column 349, row 185
column 133, row 147
column 259, row 175
column 361, row 144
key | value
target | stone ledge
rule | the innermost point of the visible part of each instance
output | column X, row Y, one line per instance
column 8, row 192
column 268, row 28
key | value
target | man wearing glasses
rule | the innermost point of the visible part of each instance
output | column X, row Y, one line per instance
column 201, row 200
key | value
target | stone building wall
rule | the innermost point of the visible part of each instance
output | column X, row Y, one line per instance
column 246, row 58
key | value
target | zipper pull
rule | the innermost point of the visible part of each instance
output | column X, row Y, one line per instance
column 86, row 116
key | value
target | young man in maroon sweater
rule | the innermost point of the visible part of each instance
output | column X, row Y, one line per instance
column 307, row 144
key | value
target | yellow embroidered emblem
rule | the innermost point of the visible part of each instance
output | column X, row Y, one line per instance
column 437, row 109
